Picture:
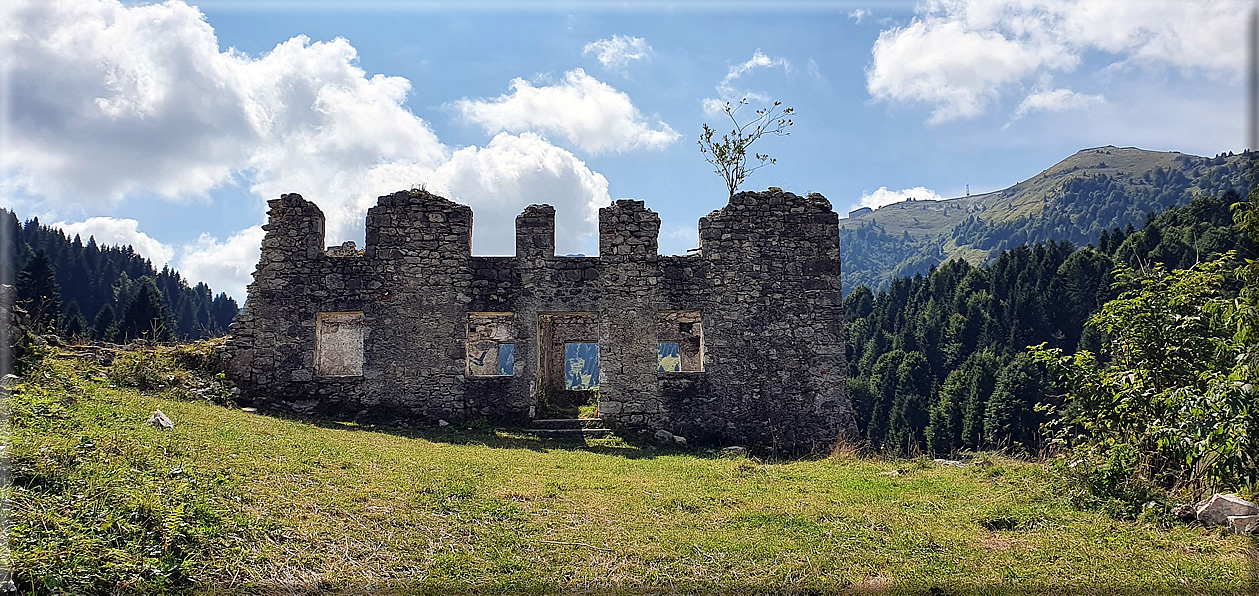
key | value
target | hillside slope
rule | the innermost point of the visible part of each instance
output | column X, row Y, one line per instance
column 239, row 502
column 1076, row 199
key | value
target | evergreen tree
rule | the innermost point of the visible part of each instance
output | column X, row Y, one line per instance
column 147, row 316
column 92, row 276
column 222, row 311
column 105, row 327
column 969, row 323
column 909, row 413
column 37, row 291
column 1010, row 419
column 73, row 324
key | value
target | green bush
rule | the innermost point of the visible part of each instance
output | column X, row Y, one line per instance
column 146, row 370
column 1110, row 483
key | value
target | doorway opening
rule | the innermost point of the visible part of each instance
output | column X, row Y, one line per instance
column 568, row 365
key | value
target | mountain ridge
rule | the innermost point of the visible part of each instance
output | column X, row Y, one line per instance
column 1090, row 191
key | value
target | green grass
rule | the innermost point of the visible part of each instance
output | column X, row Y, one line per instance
column 233, row 501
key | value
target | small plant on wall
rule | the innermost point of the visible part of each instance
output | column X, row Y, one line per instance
column 730, row 153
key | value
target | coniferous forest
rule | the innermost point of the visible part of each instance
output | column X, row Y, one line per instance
column 939, row 362
column 80, row 290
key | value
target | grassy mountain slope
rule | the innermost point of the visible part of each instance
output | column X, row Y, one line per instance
column 1076, row 199
column 231, row 501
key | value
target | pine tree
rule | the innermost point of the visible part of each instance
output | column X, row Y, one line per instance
column 92, row 276
column 37, row 292
column 1010, row 419
column 105, row 328
column 223, row 310
column 147, row 316
column 73, row 324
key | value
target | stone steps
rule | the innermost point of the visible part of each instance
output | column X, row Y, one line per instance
column 569, row 428
column 571, row 433
column 567, row 423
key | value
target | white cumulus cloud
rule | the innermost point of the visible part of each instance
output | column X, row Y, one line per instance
column 616, row 53
column 110, row 231
column 499, row 180
column 109, row 101
column 883, row 196
column 959, row 56
column 588, row 112
column 224, row 266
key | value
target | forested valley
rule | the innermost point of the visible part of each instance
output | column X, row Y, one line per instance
column 939, row 362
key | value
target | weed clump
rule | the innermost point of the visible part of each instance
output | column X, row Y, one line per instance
column 193, row 368
column 1112, row 486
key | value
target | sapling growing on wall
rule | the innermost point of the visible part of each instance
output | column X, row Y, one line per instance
column 730, row 154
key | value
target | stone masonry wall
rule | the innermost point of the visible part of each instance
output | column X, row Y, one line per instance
column 765, row 286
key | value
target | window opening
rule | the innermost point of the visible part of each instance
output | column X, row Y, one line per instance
column 491, row 351
column 668, row 358
column 339, row 344
column 680, row 337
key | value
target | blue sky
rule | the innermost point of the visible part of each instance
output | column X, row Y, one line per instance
column 168, row 126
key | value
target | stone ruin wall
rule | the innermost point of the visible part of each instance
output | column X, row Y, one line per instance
column 401, row 329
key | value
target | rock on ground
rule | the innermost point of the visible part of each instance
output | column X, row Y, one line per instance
column 1244, row 524
column 161, row 420
column 1219, row 507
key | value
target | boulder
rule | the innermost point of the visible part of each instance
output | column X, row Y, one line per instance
column 160, row 420
column 664, row 436
column 679, row 439
column 1244, row 524
column 1219, row 507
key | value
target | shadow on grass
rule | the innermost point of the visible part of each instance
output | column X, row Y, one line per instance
column 632, row 445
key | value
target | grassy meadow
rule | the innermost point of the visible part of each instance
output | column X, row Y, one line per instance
column 237, row 502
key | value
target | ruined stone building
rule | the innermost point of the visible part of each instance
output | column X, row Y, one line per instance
column 741, row 342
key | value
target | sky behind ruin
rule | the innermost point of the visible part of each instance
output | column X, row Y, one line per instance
column 168, row 126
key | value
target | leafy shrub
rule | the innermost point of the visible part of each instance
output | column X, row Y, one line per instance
column 1170, row 401
column 146, row 369
column 1110, row 484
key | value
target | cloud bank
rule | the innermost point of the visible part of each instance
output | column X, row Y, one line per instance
column 589, row 113
column 109, row 231
column 959, row 56
column 883, row 196
column 109, row 101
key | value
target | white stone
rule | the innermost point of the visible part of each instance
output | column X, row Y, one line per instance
column 1244, row 524
column 442, row 423
column 160, row 420
column 1219, row 507
column 679, row 439
column 9, row 381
